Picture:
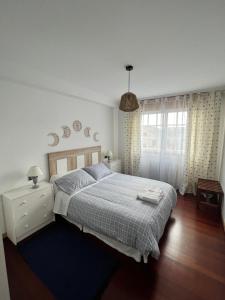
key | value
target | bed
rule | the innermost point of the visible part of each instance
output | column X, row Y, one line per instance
column 109, row 209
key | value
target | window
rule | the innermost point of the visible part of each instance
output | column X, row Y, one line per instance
column 163, row 131
column 151, row 130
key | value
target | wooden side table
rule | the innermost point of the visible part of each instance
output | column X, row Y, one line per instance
column 209, row 193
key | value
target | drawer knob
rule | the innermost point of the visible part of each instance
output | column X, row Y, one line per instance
column 25, row 214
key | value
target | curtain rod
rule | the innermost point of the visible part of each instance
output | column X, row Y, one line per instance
column 222, row 89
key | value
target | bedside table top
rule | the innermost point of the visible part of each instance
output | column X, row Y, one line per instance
column 25, row 190
column 113, row 161
column 209, row 185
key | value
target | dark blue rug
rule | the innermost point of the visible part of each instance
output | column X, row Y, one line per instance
column 70, row 264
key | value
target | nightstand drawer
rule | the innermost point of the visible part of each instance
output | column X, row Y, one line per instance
column 116, row 168
column 23, row 207
column 32, row 220
column 31, row 197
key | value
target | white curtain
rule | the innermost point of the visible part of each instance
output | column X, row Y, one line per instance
column 163, row 139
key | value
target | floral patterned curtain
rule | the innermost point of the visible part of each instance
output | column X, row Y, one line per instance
column 202, row 141
column 132, row 142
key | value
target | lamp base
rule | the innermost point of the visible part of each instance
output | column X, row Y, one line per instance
column 35, row 181
column 35, row 186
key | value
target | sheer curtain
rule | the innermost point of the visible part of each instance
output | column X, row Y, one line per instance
column 163, row 139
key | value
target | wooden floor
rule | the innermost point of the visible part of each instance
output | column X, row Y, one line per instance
column 191, row 266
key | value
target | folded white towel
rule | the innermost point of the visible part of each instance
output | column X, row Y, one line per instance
column 151, row 196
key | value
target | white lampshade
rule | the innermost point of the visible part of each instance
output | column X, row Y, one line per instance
column 34, row 171
column 109, row 153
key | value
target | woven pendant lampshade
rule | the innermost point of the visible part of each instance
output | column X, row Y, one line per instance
column 129, row 100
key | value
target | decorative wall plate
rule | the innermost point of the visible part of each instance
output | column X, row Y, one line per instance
column 77, row 126
column 66, row 131
column 87, row 131
column 55, row 139
column 95, row 136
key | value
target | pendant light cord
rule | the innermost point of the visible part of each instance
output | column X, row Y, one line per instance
column 129, row 82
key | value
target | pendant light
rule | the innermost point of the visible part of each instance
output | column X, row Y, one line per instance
column 128, row 100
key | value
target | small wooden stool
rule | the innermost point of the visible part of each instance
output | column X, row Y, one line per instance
column 209, row 187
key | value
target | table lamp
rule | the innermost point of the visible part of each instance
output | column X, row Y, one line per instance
column 109, row 155
column 33, row 174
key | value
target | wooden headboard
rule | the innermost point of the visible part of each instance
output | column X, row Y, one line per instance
column 63, row 161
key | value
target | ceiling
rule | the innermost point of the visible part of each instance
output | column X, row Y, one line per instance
column 80, row 47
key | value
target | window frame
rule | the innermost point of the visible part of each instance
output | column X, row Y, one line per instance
column 163, row 125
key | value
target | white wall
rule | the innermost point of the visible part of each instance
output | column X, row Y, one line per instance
column 28, row 114
column 115, row 133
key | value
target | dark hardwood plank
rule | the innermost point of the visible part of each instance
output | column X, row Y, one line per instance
column 191, row 266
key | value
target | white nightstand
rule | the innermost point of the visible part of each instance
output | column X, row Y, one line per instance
column 27, row 210
column 114, row 165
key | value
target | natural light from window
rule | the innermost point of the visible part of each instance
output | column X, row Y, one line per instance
column 163, row 131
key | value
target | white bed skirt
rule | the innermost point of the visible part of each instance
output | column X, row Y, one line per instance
column 129, row 251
